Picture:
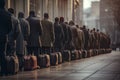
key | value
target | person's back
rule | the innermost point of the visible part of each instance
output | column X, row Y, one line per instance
column 5, row 28
column 34, row 42
column 58, row 35
column 48, row 36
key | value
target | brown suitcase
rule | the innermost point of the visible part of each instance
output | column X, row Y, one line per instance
column 66, row 55
column 80, row 54
column 30, row 63
column 53, row 59
column 89, row 53
column 74, row 55
column 59, row 57
column 43, row 60
column 12, row 64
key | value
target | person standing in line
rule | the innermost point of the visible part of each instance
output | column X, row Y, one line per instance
column 22, row 39
column 13, row 35
column 58, row 35
column 65, row 30
column 48, row 36
column 5, row 28
column 34, row 40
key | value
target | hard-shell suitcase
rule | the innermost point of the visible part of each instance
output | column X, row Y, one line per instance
column 74, row 55
column 12, row 64
column 80, row 54
column 84, row 53
column 30, row 63
column 66, row 55
column 43, row 60
column 59, row 57
column 53, row 59
column 89, row 53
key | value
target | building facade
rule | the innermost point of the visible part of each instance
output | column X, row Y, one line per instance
column 55, row 8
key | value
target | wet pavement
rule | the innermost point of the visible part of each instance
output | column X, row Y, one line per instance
column 101, row 67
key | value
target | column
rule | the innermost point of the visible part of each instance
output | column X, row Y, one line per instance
column 55, row 8
column 27, row 7
column 69, row 14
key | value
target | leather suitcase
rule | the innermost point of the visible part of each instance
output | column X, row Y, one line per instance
column 80, row 54
column 74, row 55
column 59, row 57
column 66, row 56
column 84, row 54
column 43, row 60
column 30, row 63
column 89, row 53
column 12, row 64
column 53, row 59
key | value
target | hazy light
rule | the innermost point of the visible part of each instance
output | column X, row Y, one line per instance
column 87, row 3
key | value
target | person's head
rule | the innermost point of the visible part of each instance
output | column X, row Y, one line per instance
column 2, row 3
column 11, row 10
column 71, row 23
column 77, row 26
column 93, row 29
column 20, row 15
column 32, row 13
column 66, row 22
column 56, row 19
column 61, row 19
column 97, row 30
column 46, row 16
column 84, row 27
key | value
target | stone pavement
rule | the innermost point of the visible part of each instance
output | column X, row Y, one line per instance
column 101, row 67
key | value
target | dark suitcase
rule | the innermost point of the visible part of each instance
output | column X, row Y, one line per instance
column 12, row 64
column 84, row 53
column 59, row 57
column 53, row 59
column 66, row 55
column 74, row 55
column 43, row 60
column 30, row 63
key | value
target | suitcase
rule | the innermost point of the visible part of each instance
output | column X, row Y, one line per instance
column 84, row 53
column 74, row 55
column 12, row 64
column 43, row 60
column 66, row 55
column 80, row 54
column 59, row 57
column 53, row 59
column 30, row 63
column 89, row 53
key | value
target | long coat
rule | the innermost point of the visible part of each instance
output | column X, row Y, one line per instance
column 74, row 36
column 35, row 32
column 58, row 35
column 12, row 36
column 22, row 39
column 48, row 36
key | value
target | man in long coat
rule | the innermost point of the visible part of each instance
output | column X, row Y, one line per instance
column 5, row 28
column 58, row 35
column 34, row 41
column 13, row 35
column 48, row 36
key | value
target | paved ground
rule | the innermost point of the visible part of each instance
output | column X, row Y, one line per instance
column 102, row 67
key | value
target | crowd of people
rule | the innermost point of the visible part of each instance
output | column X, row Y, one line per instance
column 24, row 36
